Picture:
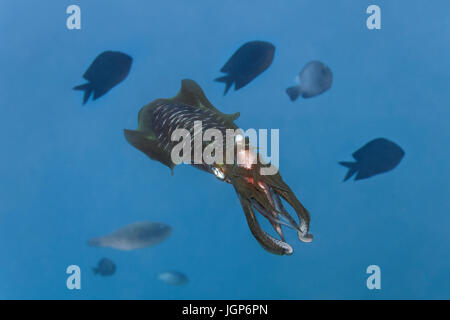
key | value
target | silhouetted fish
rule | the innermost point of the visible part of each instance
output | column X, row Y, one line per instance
column 377, row 156
column 108, row 69
column 248, row 62
column 134, row 236
column 315, row 78
column 105, row 267
column 173, row 278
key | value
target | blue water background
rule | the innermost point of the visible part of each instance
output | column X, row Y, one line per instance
column 67, row 173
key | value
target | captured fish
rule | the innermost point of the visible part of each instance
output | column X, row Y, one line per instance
column 189, row 110
column 377, row 156
column 108, row 69
column 248, row 62
column 105, row 267
column 134, row 236
column 173, row 278
column 315, row 78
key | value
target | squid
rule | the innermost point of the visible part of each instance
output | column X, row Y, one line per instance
column 258, row 193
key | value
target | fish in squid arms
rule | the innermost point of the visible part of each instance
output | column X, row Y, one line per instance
column 257, row 192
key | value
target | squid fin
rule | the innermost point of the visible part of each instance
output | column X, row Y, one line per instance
column 192, row 95
column 149, row 146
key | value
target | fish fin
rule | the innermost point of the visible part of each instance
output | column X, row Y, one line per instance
column 228, row 80
column 242, row 82
column 352, row 168
column 293, row 92
column 192, row 95
column 95, row 242
column 359, row 176
column 99, row 92
column 87, row 88
column 149, row 146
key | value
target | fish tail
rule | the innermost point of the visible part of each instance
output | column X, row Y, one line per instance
column 96, row 270
column 87, row 88
column 228, row 82
column 352, row 168
column 95, row 242
column 293, row 92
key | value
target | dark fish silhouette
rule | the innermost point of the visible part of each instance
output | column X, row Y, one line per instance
column 377, row 156
column 173, row 277
column 248, row 62
column 105, row 267
column 108, row 69
column 315, row 78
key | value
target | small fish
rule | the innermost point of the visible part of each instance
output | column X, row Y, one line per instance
column 315, row 78
column 248, row 62
column 108, row 70
column 105, row 267
column 134, row 236
column 173, row 278
column 377, row 156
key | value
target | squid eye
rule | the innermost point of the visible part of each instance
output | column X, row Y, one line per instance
column 218, row 173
